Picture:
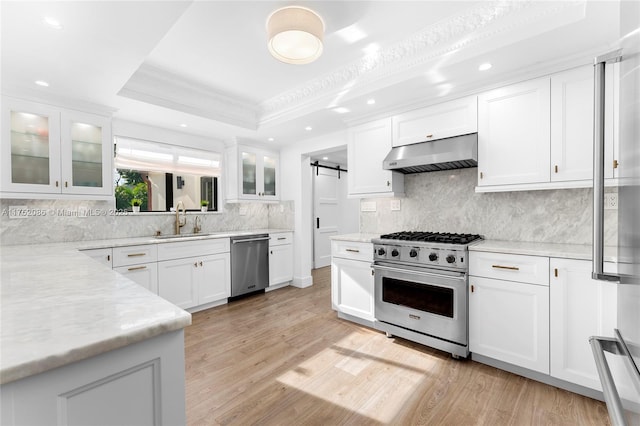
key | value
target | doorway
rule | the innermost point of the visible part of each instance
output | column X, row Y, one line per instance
column 333, row 212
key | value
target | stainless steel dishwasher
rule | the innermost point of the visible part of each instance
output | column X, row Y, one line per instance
column 249, row 263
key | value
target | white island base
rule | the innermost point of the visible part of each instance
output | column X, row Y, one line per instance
column 142, row 384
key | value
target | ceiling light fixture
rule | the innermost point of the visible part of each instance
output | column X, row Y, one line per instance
column 325, row 158
column 371, row 101
column 41, row 83
column 295, row 35
column 183, row 125
column 485, row 66
column 342, row 110
column 308, row 128
column 270, row 139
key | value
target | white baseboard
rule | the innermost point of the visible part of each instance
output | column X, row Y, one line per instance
column 302, row 282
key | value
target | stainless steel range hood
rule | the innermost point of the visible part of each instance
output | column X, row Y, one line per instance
column 458, row 152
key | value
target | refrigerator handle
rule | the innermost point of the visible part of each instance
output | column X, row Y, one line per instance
column 598, row 164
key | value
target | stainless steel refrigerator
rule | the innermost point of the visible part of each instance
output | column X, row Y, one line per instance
column 624, row 348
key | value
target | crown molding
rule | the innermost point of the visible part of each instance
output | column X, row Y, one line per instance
column 485, row 22
column 160, row 87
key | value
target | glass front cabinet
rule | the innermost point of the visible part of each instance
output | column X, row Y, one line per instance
column 252, row 174
column 48, row 150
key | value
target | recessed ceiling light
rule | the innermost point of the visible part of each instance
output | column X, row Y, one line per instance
column 485, row 66
column 42, row 83
column 342, row 110
column 308, row 128
column 270, row 139
column 183, row 125
column 325, row 158
column 52, row 22
column 371, row 101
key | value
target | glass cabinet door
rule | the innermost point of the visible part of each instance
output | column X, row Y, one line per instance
column 269, row 175
column 249, row 173
column 86, row 154
column 31, row 161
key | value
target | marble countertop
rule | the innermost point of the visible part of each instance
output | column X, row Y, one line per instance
column 566, row 251
column 59, row 307
column 356, row 237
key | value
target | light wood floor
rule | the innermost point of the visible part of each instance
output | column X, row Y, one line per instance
column 284, row 358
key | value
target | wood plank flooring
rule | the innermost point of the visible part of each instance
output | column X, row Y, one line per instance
column 284, row 358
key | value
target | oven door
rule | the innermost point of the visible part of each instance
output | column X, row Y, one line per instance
column 431, row 302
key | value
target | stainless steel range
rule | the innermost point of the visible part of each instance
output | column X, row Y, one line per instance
column 421, row 281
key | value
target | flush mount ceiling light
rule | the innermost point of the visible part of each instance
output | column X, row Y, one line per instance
column 295, row 35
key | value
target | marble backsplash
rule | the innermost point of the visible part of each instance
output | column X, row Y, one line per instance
column 51, row 221
column 446, row 201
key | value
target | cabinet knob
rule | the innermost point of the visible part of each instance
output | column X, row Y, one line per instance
column 388, row 183
column 57, row 184
column 201, row 263
column 615, row 164
column 195, row 264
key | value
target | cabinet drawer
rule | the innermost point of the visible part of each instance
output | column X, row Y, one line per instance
column 133, row 255
column 352, row 250
column 183, row 249
column 280, row 239
column 511, row 267
column 145, row 274
column 103, row 255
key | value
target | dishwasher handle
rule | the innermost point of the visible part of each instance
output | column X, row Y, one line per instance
column 600, row 345
column 248, row 240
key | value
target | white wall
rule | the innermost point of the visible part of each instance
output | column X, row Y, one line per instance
column 295, row 175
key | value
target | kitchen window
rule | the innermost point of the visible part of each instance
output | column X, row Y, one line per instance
column 161, row 175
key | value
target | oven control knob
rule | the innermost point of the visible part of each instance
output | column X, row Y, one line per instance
column 381, row 251
column 394, row 253
column 413, row 253
column 451, row 258
column 433, row 257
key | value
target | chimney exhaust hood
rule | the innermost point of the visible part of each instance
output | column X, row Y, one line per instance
column 458, row 152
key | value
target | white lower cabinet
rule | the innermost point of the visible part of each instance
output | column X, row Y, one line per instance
column 145, row 275
column 280, row 258
column 195, row 281
column 580, row 307
column 509, row 321
column 102, row 255
column 352, row 281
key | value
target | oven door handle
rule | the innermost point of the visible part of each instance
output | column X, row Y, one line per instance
column 420, row 273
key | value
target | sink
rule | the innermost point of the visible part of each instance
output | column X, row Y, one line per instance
column 176, row 236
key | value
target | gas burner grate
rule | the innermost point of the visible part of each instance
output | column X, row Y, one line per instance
column 432, row 237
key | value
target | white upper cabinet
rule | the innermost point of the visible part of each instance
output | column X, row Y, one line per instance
column 368, row 145
column 54, row 152
column 252, row 174
column 457, row 117
column 513, row 134
column 572, row 125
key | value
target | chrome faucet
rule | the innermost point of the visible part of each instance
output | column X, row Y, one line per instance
column 197, row 227
column 180, row 222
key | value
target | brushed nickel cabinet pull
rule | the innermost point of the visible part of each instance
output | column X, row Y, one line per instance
column 136, row 268
column 615, row 164
column 353, row 250
column 511, row 268
column 136, row 254
column 282, row 238
column 555, row 271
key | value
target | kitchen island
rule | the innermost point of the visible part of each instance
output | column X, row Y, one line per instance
column 80, row 342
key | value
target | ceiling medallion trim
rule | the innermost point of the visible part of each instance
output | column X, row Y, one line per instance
column 411, row 52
